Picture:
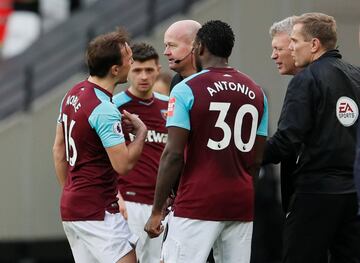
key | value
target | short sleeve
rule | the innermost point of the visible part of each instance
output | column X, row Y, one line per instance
column 59, row 119
column 180, row 103
column 106, row 121
column 263, row 127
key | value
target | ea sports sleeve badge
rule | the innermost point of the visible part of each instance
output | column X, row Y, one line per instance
column 347, row 111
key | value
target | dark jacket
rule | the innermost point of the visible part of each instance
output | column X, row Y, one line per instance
column 320, row 115
column 175, row 80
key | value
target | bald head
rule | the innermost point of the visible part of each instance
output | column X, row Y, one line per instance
column 184, row 29
column 178, row 40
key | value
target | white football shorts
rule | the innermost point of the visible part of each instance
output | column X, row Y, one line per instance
column 148, row 250
column 190, row 240
column 104, row 241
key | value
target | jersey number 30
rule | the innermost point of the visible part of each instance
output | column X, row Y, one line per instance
column 69, row 141
column 223, row 108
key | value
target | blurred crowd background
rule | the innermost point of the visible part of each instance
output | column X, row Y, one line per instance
column 23, row 21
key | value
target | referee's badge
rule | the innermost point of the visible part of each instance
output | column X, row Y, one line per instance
column 347, row 111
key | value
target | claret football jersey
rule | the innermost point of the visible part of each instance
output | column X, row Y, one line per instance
column 139, row 184
column 224, row 111
column 91, row 123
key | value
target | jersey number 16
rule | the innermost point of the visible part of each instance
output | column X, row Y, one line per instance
column 69, row 141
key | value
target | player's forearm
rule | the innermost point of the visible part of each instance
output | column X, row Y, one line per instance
column 170, row 168
column 61, row 173
column 60, row 163
column 135, row 148
column 254, row 168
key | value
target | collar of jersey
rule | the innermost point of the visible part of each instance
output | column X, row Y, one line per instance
column 146, row 102
column 100, row 88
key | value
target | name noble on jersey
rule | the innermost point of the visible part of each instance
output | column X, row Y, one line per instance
column 73, row 101
column 152, row 136
column 226, row 85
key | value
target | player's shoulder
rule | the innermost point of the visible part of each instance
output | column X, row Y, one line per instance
column 121, row 98
column 76, row 89
column 245, row 77
column 82, row 94
column 198, row 75
column 187, row 82
column 105, row 104
column 161, row 97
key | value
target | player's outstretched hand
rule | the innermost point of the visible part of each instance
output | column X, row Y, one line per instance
column 153, row 226
column 133, row 123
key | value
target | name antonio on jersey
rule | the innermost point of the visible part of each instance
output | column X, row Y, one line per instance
column 232, row 86
column 153, row 136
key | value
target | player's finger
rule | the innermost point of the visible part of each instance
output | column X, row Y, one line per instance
column 153, row 231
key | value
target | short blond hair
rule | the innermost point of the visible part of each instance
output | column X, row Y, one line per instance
column 320, row 26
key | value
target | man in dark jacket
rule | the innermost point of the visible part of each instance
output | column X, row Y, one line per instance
column 319, row 115
column 281, row 54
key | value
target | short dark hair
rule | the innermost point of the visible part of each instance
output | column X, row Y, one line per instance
column 218, row 38
column 143, row 52
column 104, row 51
column 320, row 26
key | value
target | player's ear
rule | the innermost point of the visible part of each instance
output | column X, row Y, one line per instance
column 201, row 49
column 315, row 45
column 114, row 70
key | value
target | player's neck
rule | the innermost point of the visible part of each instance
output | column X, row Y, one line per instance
column 105, row 83
column 141, row 95
column 187, row 72
column 215, row 62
